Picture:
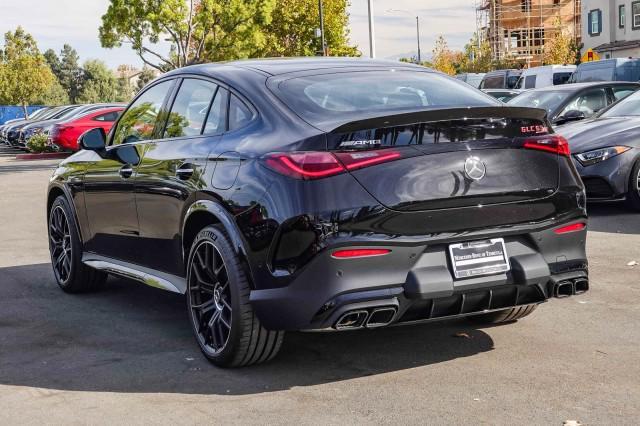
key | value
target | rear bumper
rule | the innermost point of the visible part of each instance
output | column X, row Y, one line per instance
column 416, row 282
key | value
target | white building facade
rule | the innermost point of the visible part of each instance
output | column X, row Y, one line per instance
column 611, row 28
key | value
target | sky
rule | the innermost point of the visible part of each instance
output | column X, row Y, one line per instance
column 76, row 22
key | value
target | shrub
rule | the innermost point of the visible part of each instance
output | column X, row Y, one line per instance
column 39, row 143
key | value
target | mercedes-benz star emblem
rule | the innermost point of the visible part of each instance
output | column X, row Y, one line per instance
column 474, row 169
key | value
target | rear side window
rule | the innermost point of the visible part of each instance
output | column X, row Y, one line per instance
column 239, row 113
column 190, row 107
column 139, row 120
column 326, row 98
column 530, row 82
column 493, row 82
column 217, row 114
column 620, row 92
column 108, row 117
column 561, row 78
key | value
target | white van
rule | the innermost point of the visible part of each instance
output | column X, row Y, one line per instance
column 547, row 75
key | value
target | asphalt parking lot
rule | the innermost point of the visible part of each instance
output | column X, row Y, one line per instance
column 126, row 354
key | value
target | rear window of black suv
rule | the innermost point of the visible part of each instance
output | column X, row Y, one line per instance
column 323, row 98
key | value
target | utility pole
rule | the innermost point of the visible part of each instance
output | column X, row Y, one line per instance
column 372, row 41
column 418, row 32
column 324, row 48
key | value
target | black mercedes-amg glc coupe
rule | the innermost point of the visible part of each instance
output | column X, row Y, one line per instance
column 321, row 194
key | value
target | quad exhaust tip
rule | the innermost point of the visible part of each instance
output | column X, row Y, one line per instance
column 571, row 287
column 373, row 318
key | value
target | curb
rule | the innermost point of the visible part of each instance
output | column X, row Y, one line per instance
column 43, row 156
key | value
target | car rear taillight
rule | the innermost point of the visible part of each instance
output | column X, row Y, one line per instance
column 549, row 143
column 352, row 253
column 571, row 228
column 309, row 165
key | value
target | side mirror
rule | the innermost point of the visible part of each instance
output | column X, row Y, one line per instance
column 93, row 140
column 571, row 115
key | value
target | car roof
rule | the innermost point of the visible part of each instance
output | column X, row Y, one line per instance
column 277, row 66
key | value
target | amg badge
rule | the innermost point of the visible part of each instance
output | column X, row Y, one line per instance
column 369, row 142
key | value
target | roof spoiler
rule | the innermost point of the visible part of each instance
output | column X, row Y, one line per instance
column 440, row 114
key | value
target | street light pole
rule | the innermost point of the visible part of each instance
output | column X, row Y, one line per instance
column 418, row 33
column 324, row 50
column 372, row 39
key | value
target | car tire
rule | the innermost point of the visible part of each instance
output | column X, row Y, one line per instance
column 65, row 249
column 633, row 194
column 224, row 324
column 504, row 316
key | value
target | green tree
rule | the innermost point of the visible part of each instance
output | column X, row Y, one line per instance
column 100, row 83
column 146, row 76
column 197, row 30
column 54, row 62
column 71, row 74
column 54, row 94
column 292, row 29
column 443, row 59
column 477, row 56
column 24, row 72
column 560, row 48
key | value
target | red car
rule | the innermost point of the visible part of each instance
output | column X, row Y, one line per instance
column 65, row 135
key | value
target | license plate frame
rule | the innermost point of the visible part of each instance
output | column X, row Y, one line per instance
column 479, row 258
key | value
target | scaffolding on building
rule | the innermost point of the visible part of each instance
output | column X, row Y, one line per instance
column 518, row 29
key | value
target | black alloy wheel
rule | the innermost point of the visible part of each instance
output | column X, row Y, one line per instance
column 65, row 248
column 225, row 326
column 210, row 298
column 60, row 243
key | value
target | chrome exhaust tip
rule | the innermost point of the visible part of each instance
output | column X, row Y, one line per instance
column 564, row 289
column 352, row 320
column 381, row 317
column 581, row 285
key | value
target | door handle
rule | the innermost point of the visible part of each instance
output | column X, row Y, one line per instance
column 126, row 171
column 185, row 171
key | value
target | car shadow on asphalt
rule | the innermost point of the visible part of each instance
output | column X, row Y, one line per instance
column 133, row 338
column 614, row 217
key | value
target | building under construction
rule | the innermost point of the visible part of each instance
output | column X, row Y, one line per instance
column 519, row 28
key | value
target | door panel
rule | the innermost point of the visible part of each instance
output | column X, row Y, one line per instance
column 170, row 174
column 110, row 203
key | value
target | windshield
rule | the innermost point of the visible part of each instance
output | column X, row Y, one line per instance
column 341, row 96
column 545, row 99
column 629, row 106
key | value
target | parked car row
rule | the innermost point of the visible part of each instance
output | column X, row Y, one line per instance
column 63, row 124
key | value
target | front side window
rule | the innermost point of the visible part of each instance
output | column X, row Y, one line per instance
column 621, row 16
column 635, row 14
column 189, row 111
column 139, row 120
column 588, row 102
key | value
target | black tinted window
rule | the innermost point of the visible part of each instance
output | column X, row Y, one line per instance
column 239, row 114
column 530, row 82
column 217, row 113
column 190, row 108
column 140, row 118
column 493, row 82
column 561, row 77
column 110, row 116
column 350, row 95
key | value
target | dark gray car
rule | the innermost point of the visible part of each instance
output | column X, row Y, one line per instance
column 606, row 152
column 573, row 102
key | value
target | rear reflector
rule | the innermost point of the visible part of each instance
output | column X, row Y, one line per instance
column 549, row 143
column 349, row 254
column 570, row 228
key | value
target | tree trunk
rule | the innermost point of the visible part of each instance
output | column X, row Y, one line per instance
column 26, row 112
